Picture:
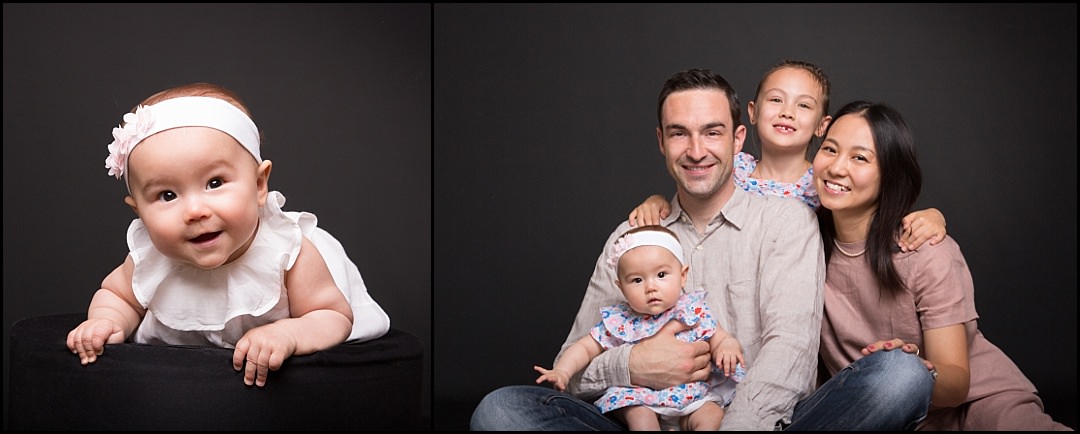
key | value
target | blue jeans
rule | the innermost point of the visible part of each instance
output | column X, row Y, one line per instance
column 885, row 391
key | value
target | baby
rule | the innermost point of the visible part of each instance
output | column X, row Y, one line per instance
column 213, row 259
column 651, row 275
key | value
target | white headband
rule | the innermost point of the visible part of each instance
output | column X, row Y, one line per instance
column 188, row 111
column 645, row 238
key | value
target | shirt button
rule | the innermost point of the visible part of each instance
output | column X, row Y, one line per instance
column 699, row 247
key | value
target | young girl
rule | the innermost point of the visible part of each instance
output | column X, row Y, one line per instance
column 213, row 259
column 790, row 108
column 651, row 275
column 868, row 176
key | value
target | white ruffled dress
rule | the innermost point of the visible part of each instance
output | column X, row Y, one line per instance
column 188, row 305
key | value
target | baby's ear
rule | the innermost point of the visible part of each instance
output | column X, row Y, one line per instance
column 262, row 180
column 130, row 201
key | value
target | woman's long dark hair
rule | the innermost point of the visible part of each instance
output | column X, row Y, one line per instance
column 901, row 182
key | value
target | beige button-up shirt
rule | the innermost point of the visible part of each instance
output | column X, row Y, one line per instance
column 762, row 264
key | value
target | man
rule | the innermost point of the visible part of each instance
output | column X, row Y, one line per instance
column 759, row 258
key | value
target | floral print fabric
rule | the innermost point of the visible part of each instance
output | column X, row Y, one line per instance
column 620, row 325
column 803, row 189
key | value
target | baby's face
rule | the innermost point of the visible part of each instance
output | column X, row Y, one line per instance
column 197, row 191
column 651, row 279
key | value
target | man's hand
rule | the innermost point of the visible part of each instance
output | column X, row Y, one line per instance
column 662, row 361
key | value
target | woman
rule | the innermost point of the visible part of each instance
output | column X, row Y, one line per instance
column 867, row 176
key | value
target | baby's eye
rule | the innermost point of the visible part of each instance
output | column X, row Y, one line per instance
column 167, row 196
column 636, row 280
column 661, row 274
column 214, row 183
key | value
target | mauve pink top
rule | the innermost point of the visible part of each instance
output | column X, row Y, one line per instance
column 939, row 293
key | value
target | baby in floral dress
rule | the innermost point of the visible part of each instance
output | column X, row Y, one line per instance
column 651, row 274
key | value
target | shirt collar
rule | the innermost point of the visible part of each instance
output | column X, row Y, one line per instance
column 734, row 211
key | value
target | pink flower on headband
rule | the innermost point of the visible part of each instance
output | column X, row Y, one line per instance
column 125, row 137
column 621, row 246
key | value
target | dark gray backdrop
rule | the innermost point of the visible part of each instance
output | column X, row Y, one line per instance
column 545, row 116
column 341, row 92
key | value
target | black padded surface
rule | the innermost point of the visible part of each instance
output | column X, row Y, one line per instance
column 374, row 385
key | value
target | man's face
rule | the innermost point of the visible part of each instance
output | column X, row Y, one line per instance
column 699, row 140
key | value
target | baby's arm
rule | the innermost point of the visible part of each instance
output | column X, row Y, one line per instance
column 650, row 212
column 726, row 351
column 574, row 359
column 320, row 317
column 920, row 227
column 113, row 315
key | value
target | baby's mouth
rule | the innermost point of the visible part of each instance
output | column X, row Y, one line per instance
column 205, row 237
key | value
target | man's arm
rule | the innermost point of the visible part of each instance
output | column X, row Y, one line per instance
column 790, row 304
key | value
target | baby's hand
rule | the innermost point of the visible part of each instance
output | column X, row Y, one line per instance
column 650, row 212
column 261, row 350
column 89, row 338
column 558, row 378
column 727, row 354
